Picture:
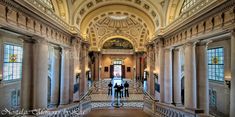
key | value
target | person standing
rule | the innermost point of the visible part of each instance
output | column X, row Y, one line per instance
column 121, row 91
column 116, row 90
column 126, row 86
column 110, row 92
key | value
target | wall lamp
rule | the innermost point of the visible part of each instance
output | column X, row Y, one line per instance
column 228, row 81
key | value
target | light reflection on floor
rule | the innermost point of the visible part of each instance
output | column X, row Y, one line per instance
column 101, row 98
column 119, row 81
column 145, row 86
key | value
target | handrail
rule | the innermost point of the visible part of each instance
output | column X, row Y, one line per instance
column 156, row 108
column 146, row 93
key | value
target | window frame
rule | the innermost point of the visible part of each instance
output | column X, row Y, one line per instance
column 3, row 62
column 215, row 66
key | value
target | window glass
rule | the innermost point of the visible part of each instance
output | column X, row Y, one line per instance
column 216, row 64
column 12, row 67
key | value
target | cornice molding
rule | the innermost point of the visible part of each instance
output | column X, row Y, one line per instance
column 211, row 10
column 35, row 10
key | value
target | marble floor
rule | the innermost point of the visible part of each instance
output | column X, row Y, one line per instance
column 101, row 99
column 104, row 105
column 117, row 113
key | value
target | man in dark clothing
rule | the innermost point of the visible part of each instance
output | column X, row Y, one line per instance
column 110, row 88
column 116, row 90
column 121, row 91
column 126, row 85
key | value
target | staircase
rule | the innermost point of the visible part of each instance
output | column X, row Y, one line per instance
column 141, row 102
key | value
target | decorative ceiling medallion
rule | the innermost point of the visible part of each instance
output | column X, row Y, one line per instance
column 134, row 31
column 101, row 31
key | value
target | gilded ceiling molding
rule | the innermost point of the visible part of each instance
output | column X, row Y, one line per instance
column 63, row 9
column 129, row 25
column 85, row 7
column 109, row 10
column 214, row 25
column 15, row 18
column 55, row 6
column 173, row 10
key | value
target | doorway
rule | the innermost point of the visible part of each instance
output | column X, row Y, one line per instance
column 117, row 72
column 117, row 69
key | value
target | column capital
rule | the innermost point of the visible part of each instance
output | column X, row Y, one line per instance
column 64, row 48
column 54, row 46
column 26, row 39
column 40, row 40
column 176, row 49
column 191, row 43
column 232, row 31
column 204, row 43
column 169, row 49
column 160, row 43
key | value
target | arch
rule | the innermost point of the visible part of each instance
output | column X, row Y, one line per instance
column 105, row 9
column 142, row 6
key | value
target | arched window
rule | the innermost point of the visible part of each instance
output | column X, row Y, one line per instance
column 187, row 4
column 47, row 3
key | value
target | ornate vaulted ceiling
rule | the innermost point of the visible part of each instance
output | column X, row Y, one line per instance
column 134, row 20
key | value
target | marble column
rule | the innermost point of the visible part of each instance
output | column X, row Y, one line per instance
column 168, row 76
column 232, row 95
column 76, row 68
column 84, row 66
column 64, row 83
column 177, row 77
column 202, row 83
column 40, row 81
column 137, row 66
column 190, row 76
column 55, row 79
column 134, row 68
column 97, row 66
column 100, row 66
column 142, row 66
column 27, row 79
column 161, row 71
column 151, row 74
column 148, row 68
column 72, row 73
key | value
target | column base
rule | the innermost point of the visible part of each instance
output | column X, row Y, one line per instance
column 53, row 106
column 62, row 105
column 76, row 101
column 178, row 104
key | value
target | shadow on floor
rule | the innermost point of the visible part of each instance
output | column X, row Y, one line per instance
column 117, row 113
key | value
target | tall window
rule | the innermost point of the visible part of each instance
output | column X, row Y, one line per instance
column 187, row 4
column 216, row 64
column 12, row 67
